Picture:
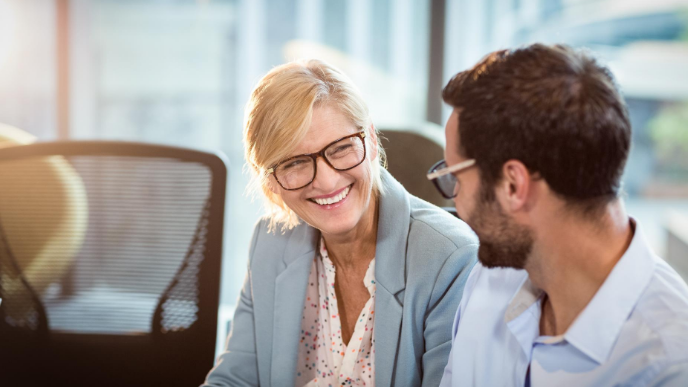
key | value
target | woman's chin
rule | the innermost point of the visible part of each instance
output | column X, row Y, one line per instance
column 338, row 226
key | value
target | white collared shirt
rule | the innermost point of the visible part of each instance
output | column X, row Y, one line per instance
column 634, row 332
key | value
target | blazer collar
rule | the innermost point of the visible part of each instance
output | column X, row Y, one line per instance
column 392, row 235
column 302, row 241
column 390, row 272
column 289, row 296
column 290, row 293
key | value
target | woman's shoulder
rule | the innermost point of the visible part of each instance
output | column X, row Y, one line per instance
column 269, row 243
column 264, row 232
column 440, row 249
column 433, row 226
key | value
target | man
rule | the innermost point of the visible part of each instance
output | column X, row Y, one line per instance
column 567, row 291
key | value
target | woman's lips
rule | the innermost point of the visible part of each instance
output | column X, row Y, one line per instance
column 333, row 200
column 333, row 194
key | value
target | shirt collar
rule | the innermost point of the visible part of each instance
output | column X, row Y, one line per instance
column 595, row 331
column 597, row 327
column 526, row 296
column 522, row 315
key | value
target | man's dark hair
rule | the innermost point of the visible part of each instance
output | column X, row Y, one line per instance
column 554, row 109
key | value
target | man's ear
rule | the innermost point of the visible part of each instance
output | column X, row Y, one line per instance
column 515, row 186
column 370, row 133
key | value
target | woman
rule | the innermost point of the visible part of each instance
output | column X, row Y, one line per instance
column 351, row 280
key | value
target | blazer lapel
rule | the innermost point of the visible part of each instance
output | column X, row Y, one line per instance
column 290, row 293
column 390, row 275
column 387, row 327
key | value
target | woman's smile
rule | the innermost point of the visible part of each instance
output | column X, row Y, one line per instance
column 332, row 200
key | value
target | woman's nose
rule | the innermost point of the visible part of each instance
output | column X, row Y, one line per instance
column 326, row 177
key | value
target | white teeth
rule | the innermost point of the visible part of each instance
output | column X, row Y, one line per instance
column 334, row 199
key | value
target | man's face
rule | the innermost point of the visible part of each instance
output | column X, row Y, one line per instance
column 503, row 242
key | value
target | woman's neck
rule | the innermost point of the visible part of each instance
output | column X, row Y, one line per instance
column 357, row 247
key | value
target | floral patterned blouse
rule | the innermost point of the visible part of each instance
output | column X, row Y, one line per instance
column 323, row 359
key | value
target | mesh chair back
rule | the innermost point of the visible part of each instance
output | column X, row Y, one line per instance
column 110, row 260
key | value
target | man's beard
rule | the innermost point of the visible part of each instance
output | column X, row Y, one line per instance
column 503, row 243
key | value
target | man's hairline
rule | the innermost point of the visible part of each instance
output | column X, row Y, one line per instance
column 570, row 204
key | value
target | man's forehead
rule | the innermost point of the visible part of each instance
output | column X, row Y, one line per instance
column 452, row 152
column 452, row 124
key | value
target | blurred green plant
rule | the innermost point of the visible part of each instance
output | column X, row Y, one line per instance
column 684, row 15
column 669, row 132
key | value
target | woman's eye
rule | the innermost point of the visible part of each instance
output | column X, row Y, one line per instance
column 293, row 164
column 341, row 148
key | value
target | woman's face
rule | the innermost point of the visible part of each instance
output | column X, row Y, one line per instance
column 349, row 191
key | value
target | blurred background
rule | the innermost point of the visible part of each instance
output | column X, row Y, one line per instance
column 179, row 72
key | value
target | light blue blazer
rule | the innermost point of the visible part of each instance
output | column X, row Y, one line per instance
column 422, row 260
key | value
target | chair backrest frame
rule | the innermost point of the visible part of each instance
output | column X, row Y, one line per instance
column 209, row 278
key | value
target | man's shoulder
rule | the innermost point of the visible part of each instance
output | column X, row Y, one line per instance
column 654, row 340
column 498, row 285
column 663, row 310
column 479, row 329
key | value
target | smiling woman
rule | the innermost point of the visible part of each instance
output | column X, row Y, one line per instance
column 351, row 279
column 295, row 102
column 340, row 201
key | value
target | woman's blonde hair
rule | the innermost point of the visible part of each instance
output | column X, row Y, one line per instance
column 278, row 116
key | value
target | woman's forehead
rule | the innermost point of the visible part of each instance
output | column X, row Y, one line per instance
column 327, row 125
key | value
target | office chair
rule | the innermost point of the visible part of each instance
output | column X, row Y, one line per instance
column 410, row 153
column 122, row 287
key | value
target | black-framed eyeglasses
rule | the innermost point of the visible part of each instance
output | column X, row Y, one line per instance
column 343, row 154
column 444, row 177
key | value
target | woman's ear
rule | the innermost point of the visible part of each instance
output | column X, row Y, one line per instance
column 273, row 185
column 373, row 141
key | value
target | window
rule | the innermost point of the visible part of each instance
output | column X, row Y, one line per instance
column 180, row 73
column 27, row 66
